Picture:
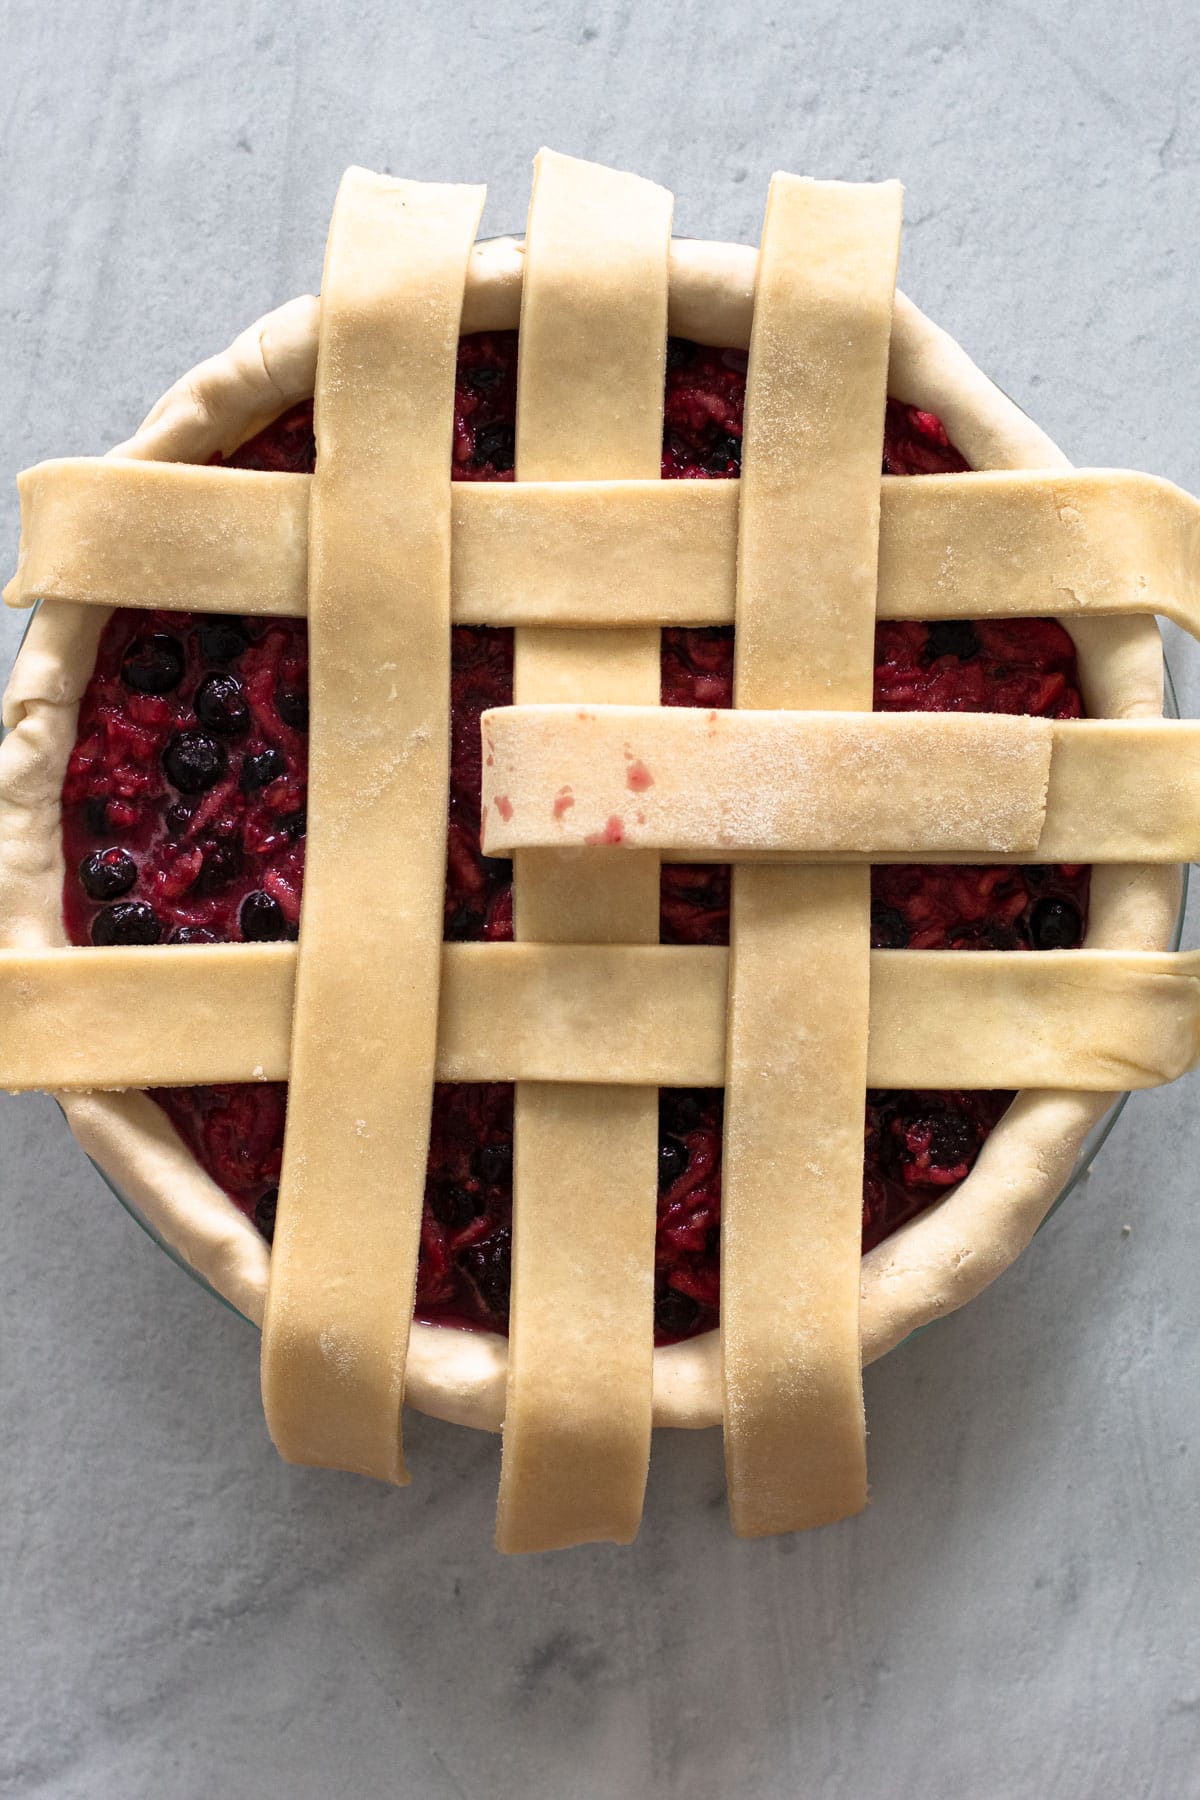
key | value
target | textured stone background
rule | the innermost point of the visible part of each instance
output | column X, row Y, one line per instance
column 1016, row 1615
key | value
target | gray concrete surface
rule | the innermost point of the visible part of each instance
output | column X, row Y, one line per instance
column 1016, row 1616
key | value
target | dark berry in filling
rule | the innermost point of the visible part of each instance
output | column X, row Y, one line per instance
column 128, row 922
column 261, row 918
column 194, row 761
column 153, row 663
column 184, row 817
column 193, row 934
column 221, row 640
column 221, row 705
column 106, row 874
column 264, row 1213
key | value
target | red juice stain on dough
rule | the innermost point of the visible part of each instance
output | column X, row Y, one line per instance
column 613, row 832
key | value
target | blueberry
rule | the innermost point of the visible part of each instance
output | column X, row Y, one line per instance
column 496, row 446
column 888, row 930
column 680, row 1110
column 952, row 1140
column 221, row 705
column 264, row 1213
column 128, row 922
column 484, row 378
column 675, row 1313
column 464, row 924
column 291, row 703
column 261, row 919
column 680, row 352
column 95, row 816
column 222, row 638
column 107, row 874
column 672, row 1161
column 295, row 824
column 193, row 934
column 193, row 761
column 489, row 1266
column 723, row 451
column 177, row 818
column 453, row 1207
column 953, row 637
column 493, row 1164
column 1055, row 925
column 222, row 864
column 1001, row 937
column 153, row 663
column 261, row 769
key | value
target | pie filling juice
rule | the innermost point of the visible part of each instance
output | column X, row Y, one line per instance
column 184, row 822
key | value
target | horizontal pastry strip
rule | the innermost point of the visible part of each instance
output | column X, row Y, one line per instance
column 1001, row 544
column 716, row 786
column 642, row 1015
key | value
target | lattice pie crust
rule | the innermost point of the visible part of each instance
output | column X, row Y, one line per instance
column 587, row 555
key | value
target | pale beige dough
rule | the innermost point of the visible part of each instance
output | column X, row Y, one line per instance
column 799, row 961
column 613, row 554
column 879, row 787
column 344, row 1257
column 175, row 1015
column 118, row 532
column 632, row 1015
column 707, row 786
column 589, row 406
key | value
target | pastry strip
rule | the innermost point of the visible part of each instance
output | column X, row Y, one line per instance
column 712, row 786
column 110, row 531
column 636, row 1015
column 343, row 1263
column 795, row 1436
column 589, row 407
column 707, row 782
column 995, row 544
column 137, row 1016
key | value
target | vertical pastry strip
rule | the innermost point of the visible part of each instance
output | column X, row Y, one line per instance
column 581, row 1331
column 799, row 946
column 343, row 1266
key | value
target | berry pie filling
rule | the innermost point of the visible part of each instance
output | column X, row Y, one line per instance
column 184, row 822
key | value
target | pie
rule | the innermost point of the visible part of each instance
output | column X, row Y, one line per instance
column 534, row 724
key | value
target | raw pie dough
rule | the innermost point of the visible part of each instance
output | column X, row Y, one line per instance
column 880, row 787
column 614, row 554
column 344, row 1258
column 579, row 1407
column 799, row 957
column 612, row 1014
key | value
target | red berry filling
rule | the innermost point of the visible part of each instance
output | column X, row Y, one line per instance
column 183, row 821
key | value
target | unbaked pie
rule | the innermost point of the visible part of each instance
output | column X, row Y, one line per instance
column 547, row 772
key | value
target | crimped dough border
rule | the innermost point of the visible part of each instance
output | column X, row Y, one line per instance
column 929, row 1267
